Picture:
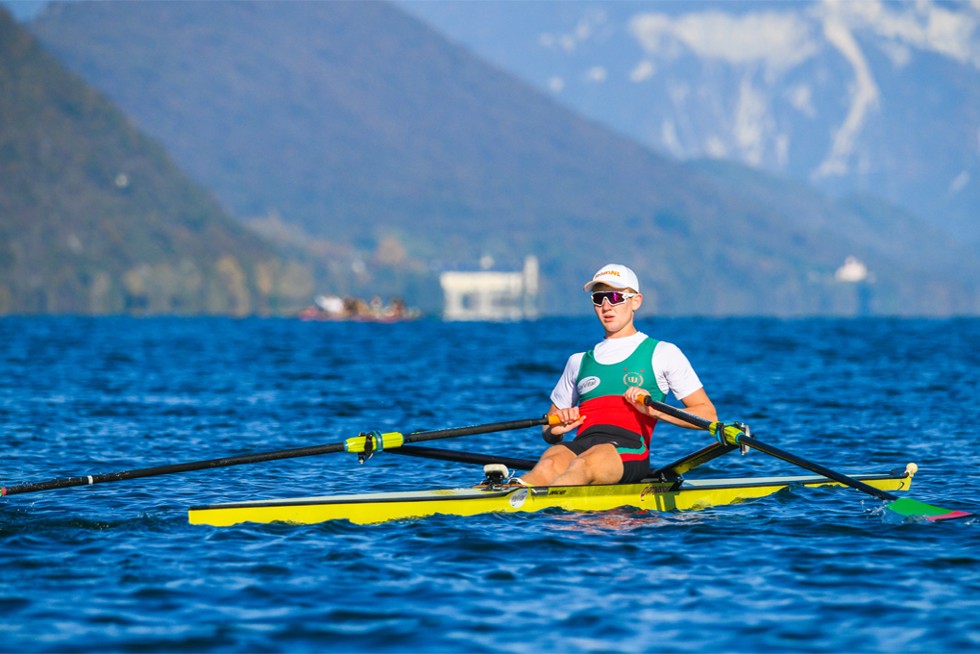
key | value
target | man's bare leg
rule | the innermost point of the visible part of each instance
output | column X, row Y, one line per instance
column 597, row 465
column 550, row 466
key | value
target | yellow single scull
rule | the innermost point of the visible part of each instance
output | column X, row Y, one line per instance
column 681, row 495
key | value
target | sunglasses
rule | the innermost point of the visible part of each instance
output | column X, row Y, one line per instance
column 613, row 297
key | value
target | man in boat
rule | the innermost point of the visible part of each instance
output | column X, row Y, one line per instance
column 600, row 393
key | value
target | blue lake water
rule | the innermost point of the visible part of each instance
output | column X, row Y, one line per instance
column 117, row 567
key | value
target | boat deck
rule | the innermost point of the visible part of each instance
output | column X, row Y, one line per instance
column 368, row 508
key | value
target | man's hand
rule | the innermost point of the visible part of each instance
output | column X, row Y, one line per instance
column 570, row 420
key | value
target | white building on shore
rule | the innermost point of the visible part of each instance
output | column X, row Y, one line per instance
column 856, row 274
column 489, row 295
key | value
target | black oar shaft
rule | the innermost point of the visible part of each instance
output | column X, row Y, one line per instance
column 690, row 418
column 703, row 423
column 68, row 482
column 86, row 480
column 816, row 467
column 457, row 456
column 510, row 425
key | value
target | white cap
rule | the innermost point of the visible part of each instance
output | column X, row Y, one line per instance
column 614, row 275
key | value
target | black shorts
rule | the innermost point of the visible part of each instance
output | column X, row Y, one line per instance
column 630, row 446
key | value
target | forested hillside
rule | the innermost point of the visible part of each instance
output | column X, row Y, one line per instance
column 96, row 218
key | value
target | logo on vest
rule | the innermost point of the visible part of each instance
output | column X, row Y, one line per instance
column 587, row 384
column 633, row 379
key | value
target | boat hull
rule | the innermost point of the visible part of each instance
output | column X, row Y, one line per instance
column 381, row 507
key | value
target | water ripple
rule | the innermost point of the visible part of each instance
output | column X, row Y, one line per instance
column 116, row 567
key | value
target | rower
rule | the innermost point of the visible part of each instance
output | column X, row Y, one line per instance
column 599, row 394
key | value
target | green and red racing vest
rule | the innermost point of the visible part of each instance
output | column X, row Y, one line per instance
column 601, row 386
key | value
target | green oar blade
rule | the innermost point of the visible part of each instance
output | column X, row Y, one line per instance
column 909, row 508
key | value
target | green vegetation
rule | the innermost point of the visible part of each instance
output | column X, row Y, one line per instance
column 95, row 218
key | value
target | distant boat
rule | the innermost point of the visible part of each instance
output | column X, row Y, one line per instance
column 353, row 309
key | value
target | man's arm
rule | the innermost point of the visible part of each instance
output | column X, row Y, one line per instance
column 697, row 403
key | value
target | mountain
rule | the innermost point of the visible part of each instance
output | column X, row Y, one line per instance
column 357, row 125
column 874, row 98
column 96, row 218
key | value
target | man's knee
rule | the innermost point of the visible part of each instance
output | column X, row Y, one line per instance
column 554, row 460
column 554, row 465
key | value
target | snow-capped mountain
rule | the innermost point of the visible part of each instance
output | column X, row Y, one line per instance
column 864, row 96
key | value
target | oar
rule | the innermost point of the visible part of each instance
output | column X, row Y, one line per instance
column 458, row 456
column 364, row 445
column 904, row 506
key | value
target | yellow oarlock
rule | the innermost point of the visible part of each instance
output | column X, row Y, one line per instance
column 379, row 442
column 727, row 434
